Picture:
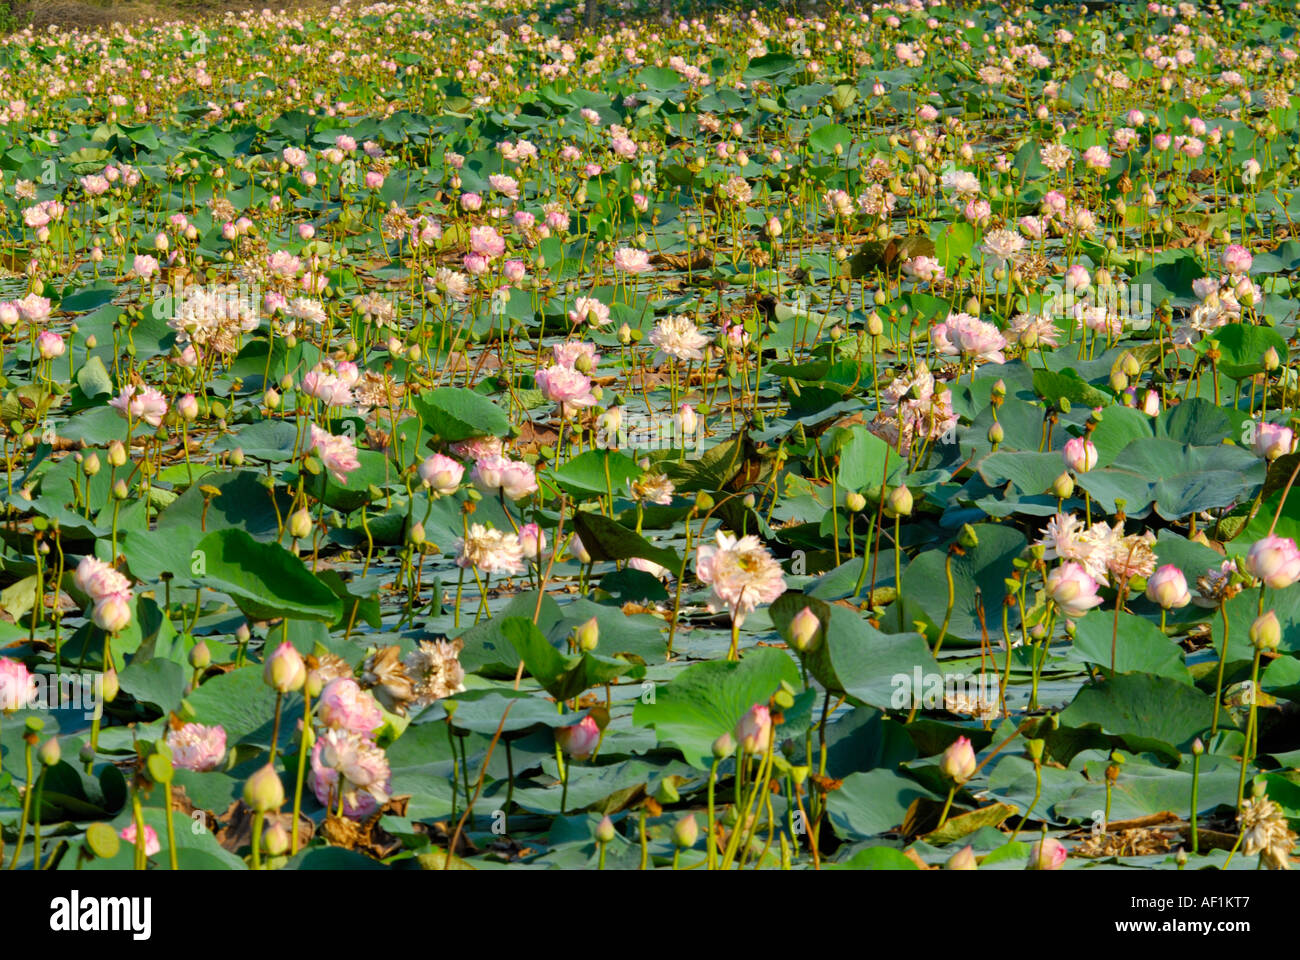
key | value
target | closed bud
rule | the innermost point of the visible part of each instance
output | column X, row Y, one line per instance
column 285, row 671
column 804, row 630
column 686, row 831
column 300, row 524
column 1271, row 359
column 899, row 503
column 200, row 657
column 963, row 859
column 50, row 752
column 276, row 839
column 855, row 501
column 116, row 454
column 958, row 761
column 110, row 684
column 605, row 832
column 313, row 684
column 1266, row 632
column 724, row 746
column 1063, row 487
column 996, row 433
column 588, row 635
column 263, row 791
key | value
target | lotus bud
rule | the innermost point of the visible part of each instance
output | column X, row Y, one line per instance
column 605, row 832
column 276, row 839
column 963, row 859
column 200, row 656
column 1266, row 632
column 686, row 831
column 899, row 503
column 804, row 629
column 300, row 524
column 285, row 671
column 263, row 791
column 958, row 761
column 588, row 635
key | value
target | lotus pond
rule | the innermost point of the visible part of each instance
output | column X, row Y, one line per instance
column 510, row 435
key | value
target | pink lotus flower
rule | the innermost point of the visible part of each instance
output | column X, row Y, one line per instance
column 926, row 269
column 196, row 747
column 147, row 405
column 629, row 260
column 349, row 764
column 579, row 740
column 1236, row 259
column 478, row 447
column 532, row 541
column 15, row 686
column 99, row 579
column 144, row 266
column 338, row 454
column 151, row 844
column 1080, row 454
column 1272, row 440
column 345, row 706
column 514, row 478
column 1072, row 590
column 486, row 242
column 112, row 613
column 970, row 338
column 576, row 354
column 754, row 730
column 565, row 386
column 958, row 761
column 1275, row 560
column 1077, row 278
column 741, row 572
column 50, row 345
column 1048, row 854
column 285, row 670
column 441, row 474
column 589, row 310
column 1168, row 587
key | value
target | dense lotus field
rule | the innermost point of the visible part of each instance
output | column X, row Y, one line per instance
column 506, row 435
